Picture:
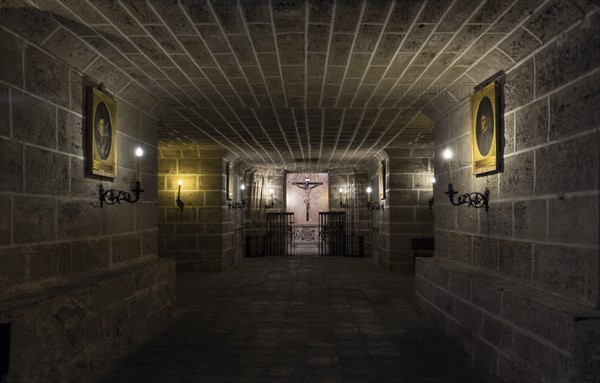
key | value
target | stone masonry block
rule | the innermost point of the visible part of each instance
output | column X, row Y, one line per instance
column 546, row 321
column 574, row 220
column 5, row 111
column 125, row 248
column 187, row 182
column 11, row 166
column 116, row 219
column 467, row 219
column 400, row 181
column 181, row 242
column 48, row 261
column 518, row 177
column 408, row 165
column 531, row 125
column 90, row 254
column 5, row 220
column 174, row 214
column 81, row 185
column 530, row 219
column 45, row 172
column 12, row 51
column 486, row 296
column 77, row 219
column 69, row 132
column 515, row 259
column 509, row 133
column 545, row 361
column 70, row 49
column 570, row 56
column 46, row 77
column 498, row 220
column 34, row 125
column 567, row 270
column 485, row 252
column 553, row 18
column 519, row 86
column 145, row 216
column 150, row 243
column 13, row 271
column 460, row 285
column 568, row 166
column 39, row 210
column 570, row 108
column 460, row 247
column 468, row 316
column 445, row 216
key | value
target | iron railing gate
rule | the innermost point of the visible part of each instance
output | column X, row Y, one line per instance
column 280, row 234
column 332, row 233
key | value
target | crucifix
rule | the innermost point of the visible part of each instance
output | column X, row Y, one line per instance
column 307, row 186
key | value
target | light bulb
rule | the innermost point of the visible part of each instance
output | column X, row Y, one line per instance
column 242, row 186
column 139, row 152
column 271, row 191
column 341, row 190
column 447, row 153
column 433, row 180
column 180, row 182
column 369, row 190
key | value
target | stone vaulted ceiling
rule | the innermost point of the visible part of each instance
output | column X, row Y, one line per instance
column 289, row 82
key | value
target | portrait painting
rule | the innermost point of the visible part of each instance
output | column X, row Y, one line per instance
column 101, row 132
column 485, row 127
column 382, row 180
column 229, row 184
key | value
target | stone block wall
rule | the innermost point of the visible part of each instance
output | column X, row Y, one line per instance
column 518, row 286
column 406, row 214
column 55, row 240
column 202, row 237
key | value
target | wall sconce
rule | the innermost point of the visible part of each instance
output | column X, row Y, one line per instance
column 373, row 206
column 272, row 203
column 238, row 205
column 430, row 203
column 476, row 200
column 180, row 203
column 112, row 196
column 342, row 204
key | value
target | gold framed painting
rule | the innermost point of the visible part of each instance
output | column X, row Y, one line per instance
column 101, row 132
column 229, row 184
column 485, row 128
column 382, row 179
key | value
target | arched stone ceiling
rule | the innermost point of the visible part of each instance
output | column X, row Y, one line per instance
column 288, row 82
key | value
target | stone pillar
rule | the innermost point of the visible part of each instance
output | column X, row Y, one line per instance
column 199, row 238
column 406, row 214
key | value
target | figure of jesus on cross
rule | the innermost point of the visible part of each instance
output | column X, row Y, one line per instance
column 307, row 186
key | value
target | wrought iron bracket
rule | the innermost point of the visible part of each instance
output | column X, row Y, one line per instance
column 112, row 196
column 237, row 205
column 476, row 200
column 374, row 206
column 344, row 205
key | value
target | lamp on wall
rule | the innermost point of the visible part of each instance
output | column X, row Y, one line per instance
column 373, row 206
column 271, row 204
column 342, row 204
column 180, row 203
column 238, row 205
column 113, row 196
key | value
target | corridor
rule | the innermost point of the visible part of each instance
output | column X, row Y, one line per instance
column 296, row 319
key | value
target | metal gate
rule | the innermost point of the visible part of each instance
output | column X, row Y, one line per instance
column 332, row 233
column 279, row 236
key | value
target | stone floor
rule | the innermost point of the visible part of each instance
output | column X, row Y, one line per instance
column 296, row 319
